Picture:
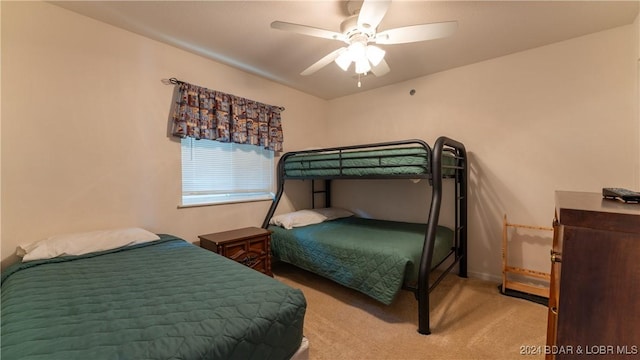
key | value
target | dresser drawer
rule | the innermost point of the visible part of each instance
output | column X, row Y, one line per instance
column 251, row 252
column 248, row 246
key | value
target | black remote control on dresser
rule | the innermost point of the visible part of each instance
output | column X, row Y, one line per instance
column 621, row 194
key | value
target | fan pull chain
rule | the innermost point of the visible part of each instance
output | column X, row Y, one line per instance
column 359, row 83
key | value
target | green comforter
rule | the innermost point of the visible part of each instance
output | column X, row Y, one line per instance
column 382, row 162
column 413, row 161
column 374, row 257
column 167, row 299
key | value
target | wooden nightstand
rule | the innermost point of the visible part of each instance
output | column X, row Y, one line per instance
column 249, row 246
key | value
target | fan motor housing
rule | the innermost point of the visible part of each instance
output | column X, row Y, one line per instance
column 349, row 28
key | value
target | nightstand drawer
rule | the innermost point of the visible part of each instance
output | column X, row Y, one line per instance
column 248, row 246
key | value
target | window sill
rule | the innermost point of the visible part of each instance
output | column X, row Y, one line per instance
column 236, row 201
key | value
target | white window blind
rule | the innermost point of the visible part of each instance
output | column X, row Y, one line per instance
column 215, row 172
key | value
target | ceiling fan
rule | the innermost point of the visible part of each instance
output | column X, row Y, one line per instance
column 360, row 30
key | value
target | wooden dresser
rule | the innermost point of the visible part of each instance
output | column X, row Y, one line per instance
column 594, row 302
column 249, row 246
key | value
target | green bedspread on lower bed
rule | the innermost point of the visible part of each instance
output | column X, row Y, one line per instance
column 163, row 300
column 374, row 257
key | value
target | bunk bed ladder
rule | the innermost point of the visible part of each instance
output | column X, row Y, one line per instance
column 461, row 216
column 460, row 237
column 460, row 245
column 326, row 191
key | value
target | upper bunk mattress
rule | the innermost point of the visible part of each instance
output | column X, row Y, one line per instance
column 375, row 257
column 382, row 162
column 160, row 300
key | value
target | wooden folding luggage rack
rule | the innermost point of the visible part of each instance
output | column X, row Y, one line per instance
column 508, row 284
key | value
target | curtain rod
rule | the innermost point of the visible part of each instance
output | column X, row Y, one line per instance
column 180, row 82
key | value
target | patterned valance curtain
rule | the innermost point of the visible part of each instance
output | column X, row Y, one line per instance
column 201, row 113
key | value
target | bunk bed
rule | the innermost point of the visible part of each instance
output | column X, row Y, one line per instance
column 364, row 253
column 158, row 299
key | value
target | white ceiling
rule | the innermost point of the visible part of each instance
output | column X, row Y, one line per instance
column 238, row 33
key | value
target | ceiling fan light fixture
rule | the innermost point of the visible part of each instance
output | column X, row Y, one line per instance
column 375, row 54
column 344, row 60
column 362, row 65
column 357, row 50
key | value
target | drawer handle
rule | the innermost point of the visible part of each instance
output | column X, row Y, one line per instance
column 249, row 260
column 556, row 257
column 554, row 310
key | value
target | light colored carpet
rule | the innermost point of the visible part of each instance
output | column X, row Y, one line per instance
column 470, row 319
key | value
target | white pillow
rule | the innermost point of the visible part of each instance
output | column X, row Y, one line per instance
column 333, row 213
column 297, row 219
column 83, row 243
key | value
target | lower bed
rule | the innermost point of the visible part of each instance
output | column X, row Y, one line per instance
column 166, row 299
column 375, row 257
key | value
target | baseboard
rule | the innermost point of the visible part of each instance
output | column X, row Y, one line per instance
column 485, row 276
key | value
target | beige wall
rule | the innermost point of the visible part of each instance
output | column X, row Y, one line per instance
column 558, row 117
column 84, row 140
column 637, row 27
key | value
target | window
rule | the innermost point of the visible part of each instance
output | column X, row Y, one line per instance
column 214, row 172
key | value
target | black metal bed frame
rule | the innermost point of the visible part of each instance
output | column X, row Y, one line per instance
column 434, row 174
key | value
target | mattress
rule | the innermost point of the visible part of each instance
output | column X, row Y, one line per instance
column 375, row 257
column 166, row 299
column 387, row 162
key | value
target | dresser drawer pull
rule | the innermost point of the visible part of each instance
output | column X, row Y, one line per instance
column 554, row 310
column 556, row 257
column 249, row 260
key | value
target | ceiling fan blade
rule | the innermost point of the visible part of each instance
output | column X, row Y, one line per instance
column 371, row 13
column 416, row 33
column 307, row 30
column 323, row 62
column 381, row 69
